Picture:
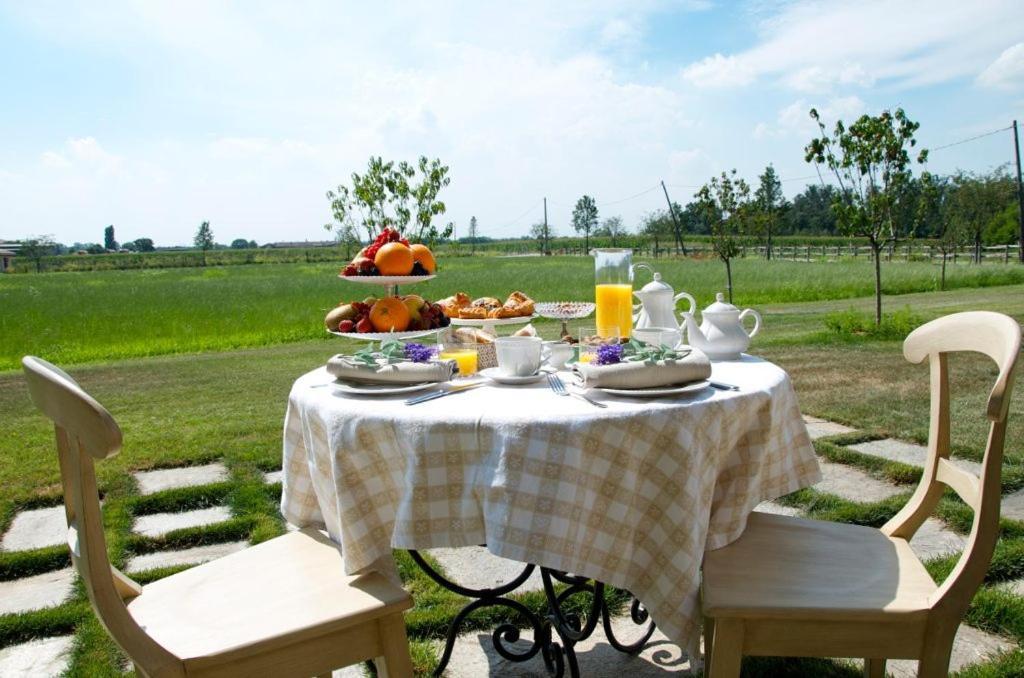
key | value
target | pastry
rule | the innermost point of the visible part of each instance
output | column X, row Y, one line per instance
column 451, row 305
column 490, row 303
column 473, row 313
column 472, row 335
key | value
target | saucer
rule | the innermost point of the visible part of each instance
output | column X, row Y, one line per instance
column 494, row 374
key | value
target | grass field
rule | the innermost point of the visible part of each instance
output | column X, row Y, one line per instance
column 227, row 403
column 106, row 315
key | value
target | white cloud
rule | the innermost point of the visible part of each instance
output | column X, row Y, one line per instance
column 815, row 47
column 794, row 120
column 1007, row 71
column 720, row 71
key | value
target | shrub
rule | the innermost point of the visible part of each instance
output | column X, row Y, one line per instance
column 853, row 324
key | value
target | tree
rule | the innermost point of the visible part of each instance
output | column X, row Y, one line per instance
column 253, row 245
column 976, row 202
column 584, row 219
column 935, row 218
column 35, row 248
column 542, row 233
column 108, row 239
column 345, row 235
column 725, row 204
column 769, row 201
column 810, row 212
column 204, row 238
column 657, row 225
column 473, row 231
column 386, row 196
column 612, row 227
column 871, row 163
column 143, row 245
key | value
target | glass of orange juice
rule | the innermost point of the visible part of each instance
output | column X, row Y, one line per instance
column 464, row 356
column 613, row 291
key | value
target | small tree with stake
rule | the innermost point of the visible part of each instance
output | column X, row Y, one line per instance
column 769, row 201
column 34, row 249
column 935, row 218
column 204, row 238
column 724, row 203
column 584, row 219
column 871, row 163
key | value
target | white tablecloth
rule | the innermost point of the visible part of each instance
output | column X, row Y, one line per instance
column 631, row 495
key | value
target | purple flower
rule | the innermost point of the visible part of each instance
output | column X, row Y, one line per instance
column 609, row 354
column 418, row 353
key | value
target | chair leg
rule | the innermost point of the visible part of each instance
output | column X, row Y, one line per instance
column 934, row 660
column 709, row 637
column 726, row 649
column 395, row 662
column 874, row 668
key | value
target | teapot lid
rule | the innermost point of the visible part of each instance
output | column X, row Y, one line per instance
column 720, row 305
column 657, row 285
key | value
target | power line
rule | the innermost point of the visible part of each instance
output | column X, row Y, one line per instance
column 510, row 223
column 616, row 202
column 964, row 141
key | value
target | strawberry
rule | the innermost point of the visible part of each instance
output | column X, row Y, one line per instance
column 346, row 326
column 364, row 325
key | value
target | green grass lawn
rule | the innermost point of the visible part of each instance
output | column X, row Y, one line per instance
column 229, row 405
column 94, row 316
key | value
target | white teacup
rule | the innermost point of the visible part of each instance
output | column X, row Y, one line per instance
column 659, row 336
column 518, row 356
column 556, row 353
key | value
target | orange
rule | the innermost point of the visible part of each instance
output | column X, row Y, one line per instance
column 422, row 254
column 389, row 314
column 394, row 259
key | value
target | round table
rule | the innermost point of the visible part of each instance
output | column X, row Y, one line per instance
column 630, row 495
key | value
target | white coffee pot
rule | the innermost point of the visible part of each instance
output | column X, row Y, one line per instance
column 657, row 307
column 722, row 335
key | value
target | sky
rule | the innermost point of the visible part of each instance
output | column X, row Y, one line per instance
column 155, row 116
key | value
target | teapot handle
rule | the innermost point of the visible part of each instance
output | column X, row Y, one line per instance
column 757, row 321
column 684, row 295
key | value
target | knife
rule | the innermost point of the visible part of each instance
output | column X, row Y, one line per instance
column 441, row 394
column 723, row 387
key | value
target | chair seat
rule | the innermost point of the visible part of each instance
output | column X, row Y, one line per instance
column 276, row 593
column 795, row 568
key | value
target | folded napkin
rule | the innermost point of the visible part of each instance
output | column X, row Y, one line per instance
column 625, row 375
column 343, row 367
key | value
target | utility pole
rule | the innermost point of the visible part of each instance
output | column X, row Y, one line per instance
column 546, row 248
column 675, row 221
column 1020, row 198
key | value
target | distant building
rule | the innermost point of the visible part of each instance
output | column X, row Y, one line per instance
column 8, row 250
column 300, row 244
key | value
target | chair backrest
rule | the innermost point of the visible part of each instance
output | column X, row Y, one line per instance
column 85, row 431
column 999, row 337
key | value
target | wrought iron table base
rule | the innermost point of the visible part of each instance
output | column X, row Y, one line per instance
column 554, row 635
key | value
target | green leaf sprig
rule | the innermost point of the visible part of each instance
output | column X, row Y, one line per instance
column 390, row 351
column 639, row 351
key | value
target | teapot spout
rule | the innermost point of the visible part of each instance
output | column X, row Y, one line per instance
column 693, row 332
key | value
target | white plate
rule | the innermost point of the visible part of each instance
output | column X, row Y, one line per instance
column 386, row 279
column 354, row 388
column 565, row 310
column 487, row 322
column 494, row 374
column 657, row 392
column 384, row 336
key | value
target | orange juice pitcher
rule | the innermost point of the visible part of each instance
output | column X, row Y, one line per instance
column 613, row 291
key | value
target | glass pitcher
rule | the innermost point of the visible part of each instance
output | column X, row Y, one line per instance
column 613, row 291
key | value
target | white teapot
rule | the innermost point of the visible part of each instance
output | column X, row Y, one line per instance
column 722, row 335
column 657, row 307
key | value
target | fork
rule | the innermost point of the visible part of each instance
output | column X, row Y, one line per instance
column 556, row 384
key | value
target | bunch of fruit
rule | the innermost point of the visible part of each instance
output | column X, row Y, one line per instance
column 390, row 314
column 391, row 254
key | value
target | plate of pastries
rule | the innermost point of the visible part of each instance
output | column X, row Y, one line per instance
column 464, row 310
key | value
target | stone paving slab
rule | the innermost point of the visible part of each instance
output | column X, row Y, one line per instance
column 151, row 482
column 970, row 646
column 35, row 529
column 39, row 658
column 1016, row 586
column 474, row 656
column 36, row 592
column 354, row 671
column 822, row 429
column 158, row 524
column 808, row 419
column 908, row 453
column 273, row 477
column 777, row 509
column 853, row 484
column 934, row 539
column 1013, row 505
column 190, row 556
column 476, row 567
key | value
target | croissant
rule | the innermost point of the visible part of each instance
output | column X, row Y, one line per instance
column 473, row 313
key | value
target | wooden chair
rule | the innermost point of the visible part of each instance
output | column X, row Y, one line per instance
column 796, row 587
column 282, row 608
